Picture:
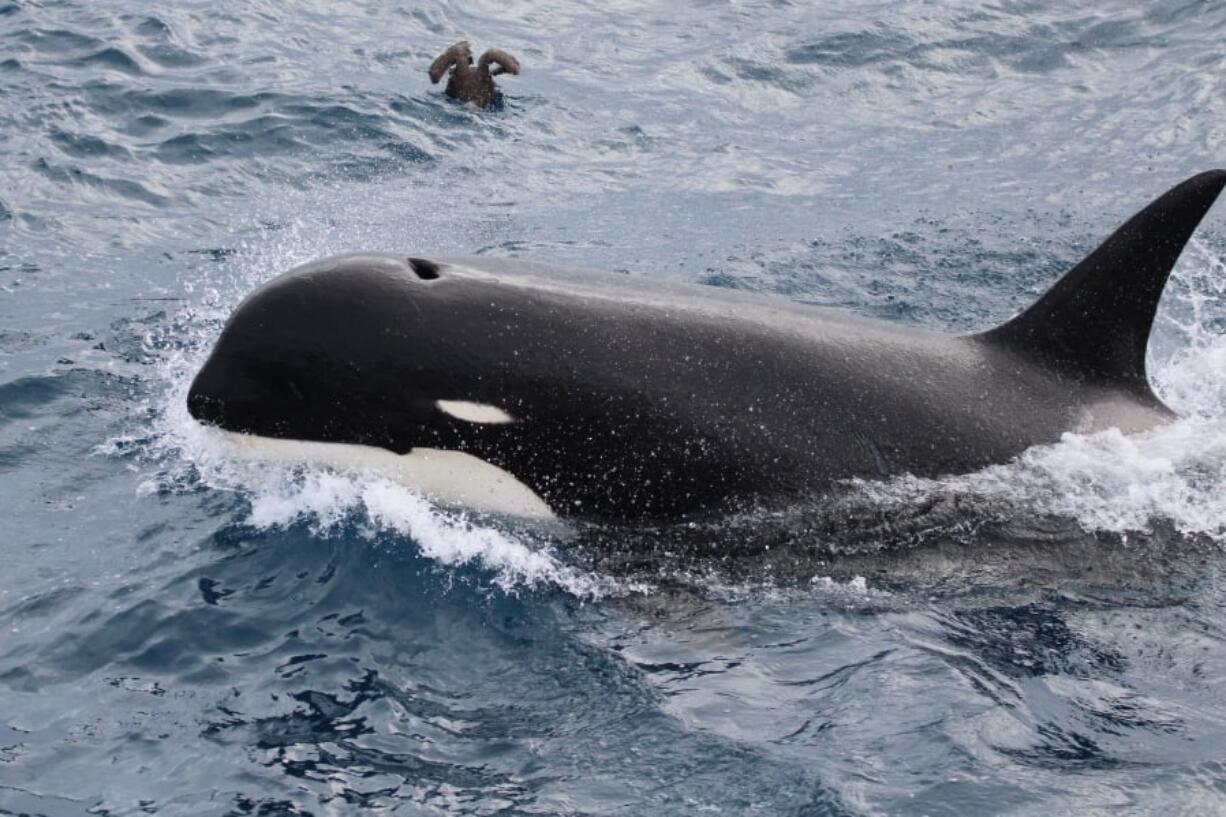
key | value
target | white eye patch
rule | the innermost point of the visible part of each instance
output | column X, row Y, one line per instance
column 474, row 412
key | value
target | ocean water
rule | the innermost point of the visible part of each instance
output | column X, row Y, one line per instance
column 184, row 634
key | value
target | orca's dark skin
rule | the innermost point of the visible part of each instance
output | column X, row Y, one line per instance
column 640, row 401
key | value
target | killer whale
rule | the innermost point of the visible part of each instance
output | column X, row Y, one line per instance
column 532, row 390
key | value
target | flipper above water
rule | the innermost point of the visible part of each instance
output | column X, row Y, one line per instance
column 1096, row 320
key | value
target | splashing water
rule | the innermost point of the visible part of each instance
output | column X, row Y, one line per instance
column 1123, row 483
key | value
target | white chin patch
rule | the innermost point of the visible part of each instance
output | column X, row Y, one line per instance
column 447, row 477
column 474, row 412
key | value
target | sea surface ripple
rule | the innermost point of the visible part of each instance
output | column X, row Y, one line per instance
column 181, row 634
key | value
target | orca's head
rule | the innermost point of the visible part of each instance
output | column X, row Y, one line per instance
column 343, row 350
column 539, row 376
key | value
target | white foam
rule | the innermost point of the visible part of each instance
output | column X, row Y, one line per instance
column 328, row 498
column 282, row 492
column 1122, row 483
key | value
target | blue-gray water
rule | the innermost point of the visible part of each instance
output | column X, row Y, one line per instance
column 185, row 635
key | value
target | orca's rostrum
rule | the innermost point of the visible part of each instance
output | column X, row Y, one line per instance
column 524, row 389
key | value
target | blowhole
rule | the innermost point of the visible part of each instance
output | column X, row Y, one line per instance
column 426, row 270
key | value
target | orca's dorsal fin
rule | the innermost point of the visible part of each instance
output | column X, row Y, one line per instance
column 1095, row 321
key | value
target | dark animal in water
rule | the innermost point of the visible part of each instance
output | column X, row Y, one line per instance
column 469, row 84
column 521, row 388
